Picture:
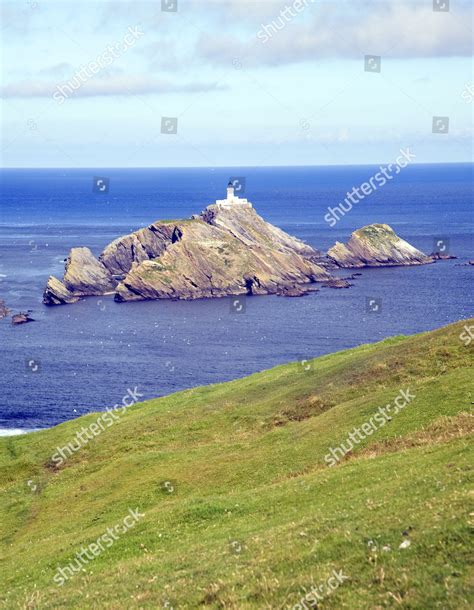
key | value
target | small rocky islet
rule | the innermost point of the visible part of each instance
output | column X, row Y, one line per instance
column 226, row 250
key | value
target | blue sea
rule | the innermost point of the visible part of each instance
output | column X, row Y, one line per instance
column 83, row 357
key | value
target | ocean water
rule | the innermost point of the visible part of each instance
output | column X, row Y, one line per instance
column 83, row 357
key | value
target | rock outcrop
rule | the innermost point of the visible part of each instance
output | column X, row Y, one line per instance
column 252, row 230
column 145, row 244
column 4, row 311
column 21, row 318
column 84, row 276
column 439, row 256
column 226, row 250
column 56, row 293
column 222, row 251
column 376, row 245
column 211, row 261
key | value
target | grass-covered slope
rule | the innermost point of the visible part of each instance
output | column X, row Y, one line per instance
column 241, row 509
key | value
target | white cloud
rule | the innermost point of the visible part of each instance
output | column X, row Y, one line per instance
column 116, row 85
column 393, row 30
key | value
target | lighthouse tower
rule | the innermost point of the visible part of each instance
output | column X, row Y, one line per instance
column 233, row 200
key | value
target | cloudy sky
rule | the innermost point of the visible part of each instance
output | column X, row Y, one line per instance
column 92, row 84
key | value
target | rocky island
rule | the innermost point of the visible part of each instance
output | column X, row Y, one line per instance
column 376, row 245
column 226, row 250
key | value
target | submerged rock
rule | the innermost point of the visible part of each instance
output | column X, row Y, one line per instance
column 4, row 311
column 337, row 282
column 376, row 245
column 296, row 291
column 439, row 256
column 21, row 318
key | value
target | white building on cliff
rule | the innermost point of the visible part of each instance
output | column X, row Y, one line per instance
column 233, row 200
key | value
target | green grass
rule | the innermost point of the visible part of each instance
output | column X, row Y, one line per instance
column 256, row 517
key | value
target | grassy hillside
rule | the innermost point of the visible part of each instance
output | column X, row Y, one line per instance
column 241, row 509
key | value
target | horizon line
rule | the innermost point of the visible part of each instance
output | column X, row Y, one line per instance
column 114, row 167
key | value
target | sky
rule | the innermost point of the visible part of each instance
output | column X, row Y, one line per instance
column 173, row 83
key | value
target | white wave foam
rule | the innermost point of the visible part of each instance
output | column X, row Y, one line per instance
column 17, row 431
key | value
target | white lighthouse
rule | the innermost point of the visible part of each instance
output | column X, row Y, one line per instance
column 232, row 199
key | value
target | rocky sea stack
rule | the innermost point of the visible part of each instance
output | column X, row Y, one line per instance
column 376, row 245
column 226, row 250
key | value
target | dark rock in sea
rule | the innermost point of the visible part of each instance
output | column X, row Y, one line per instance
column 376, row 245
column 4, row 311
column 21, row 318
column 337, row 282
column 439, row 256
column 296, row 291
